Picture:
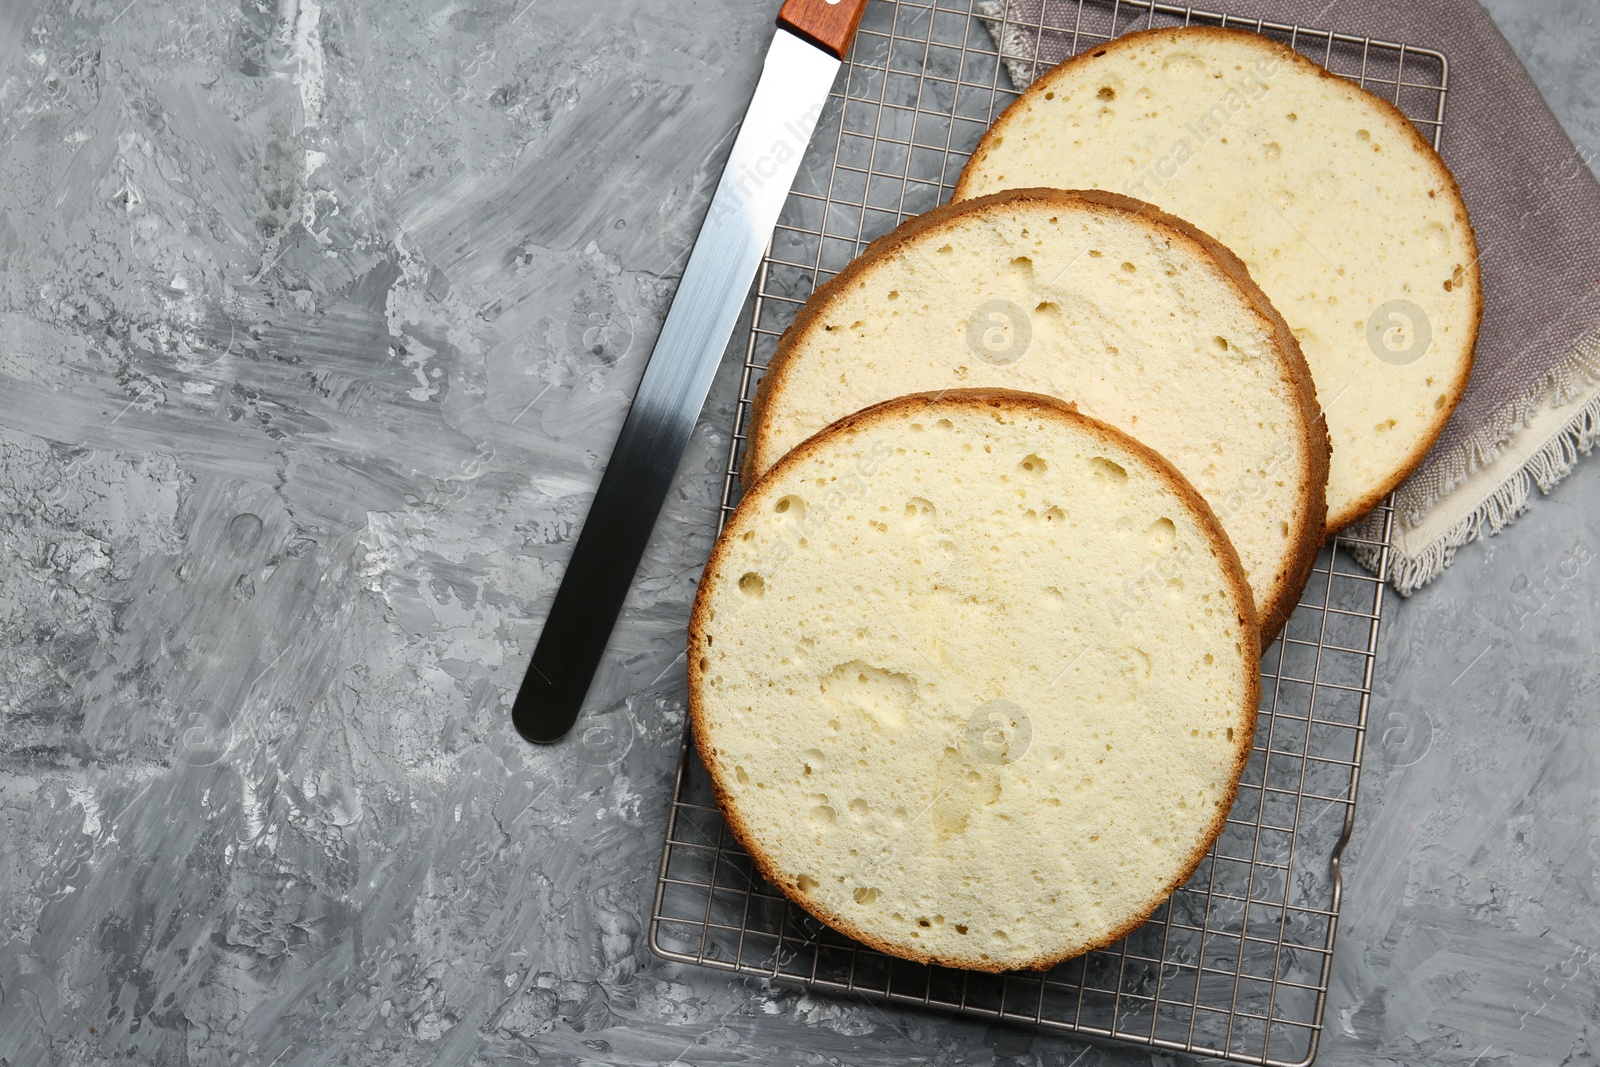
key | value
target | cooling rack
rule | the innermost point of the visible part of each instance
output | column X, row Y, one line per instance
column 1236, row 964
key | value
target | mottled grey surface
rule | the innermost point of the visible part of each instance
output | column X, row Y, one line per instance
column 316, row 324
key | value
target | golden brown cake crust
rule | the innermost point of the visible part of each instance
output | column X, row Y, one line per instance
column 1307, row 527
column 1000, row 400
column 1392, row 115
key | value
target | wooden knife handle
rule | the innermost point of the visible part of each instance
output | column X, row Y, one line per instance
column 828, row 24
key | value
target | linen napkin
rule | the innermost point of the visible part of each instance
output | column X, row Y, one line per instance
column 1533, row 404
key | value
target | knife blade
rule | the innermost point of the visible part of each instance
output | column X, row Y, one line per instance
column 806, row 53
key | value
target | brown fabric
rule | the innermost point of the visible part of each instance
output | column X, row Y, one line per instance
column 1535, row 204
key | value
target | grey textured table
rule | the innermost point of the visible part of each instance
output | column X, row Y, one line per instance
column 316, row 324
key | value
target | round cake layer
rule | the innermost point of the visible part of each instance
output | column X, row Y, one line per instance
column 1136, row 317
column 974, row 677
column 1342, row 212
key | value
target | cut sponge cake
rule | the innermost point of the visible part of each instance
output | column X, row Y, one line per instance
column 1136, row 317
column 1343, row 213
column 974, row 677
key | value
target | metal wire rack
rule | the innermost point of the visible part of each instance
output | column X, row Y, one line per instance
column 1236, row 964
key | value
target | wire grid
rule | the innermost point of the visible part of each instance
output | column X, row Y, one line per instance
column 1236, row 964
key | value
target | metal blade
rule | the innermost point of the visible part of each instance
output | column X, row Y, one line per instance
column 777, row 127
